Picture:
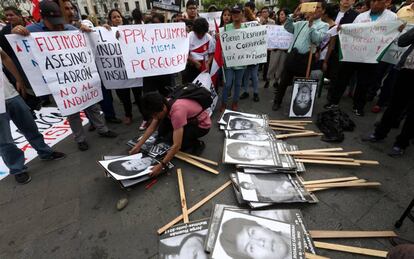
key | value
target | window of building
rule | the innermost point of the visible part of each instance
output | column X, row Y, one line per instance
column 116, row 5
column 86, row 10
column 137, row 4
column 105, row 8
column 95, row 9
column 126, row 7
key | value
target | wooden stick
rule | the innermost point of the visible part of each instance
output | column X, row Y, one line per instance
column 308, row 67
column 313, row 256
column 194, row 208
column 368, row 162
column 331, row 158
column 302, row 134
column 202, row 159
column 354, row 152
column 351, row 249
column 310, row 161
column 196, row 163
column 350, row 234
column 298, row 153
column 286, row 125
column 290, row 121
column 319, row 150
column 310, row 188
column 182, row 195
column 285, row 129
column 331, row 180
column 344, row 184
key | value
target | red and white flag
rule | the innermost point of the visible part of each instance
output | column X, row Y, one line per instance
column 218, row 61
column 36, row 10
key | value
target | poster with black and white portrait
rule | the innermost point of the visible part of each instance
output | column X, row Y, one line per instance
column 243, row 123
column 275, row 188
column 248, row 152
column 303, row 97
column 184, row 241
column 227, row 113
column 246, row 236
column 257, row 134
column 130, row 167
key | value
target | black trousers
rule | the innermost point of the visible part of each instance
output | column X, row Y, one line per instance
column 190, row 137
column 190, row 73
column 295, row 66
column 125, row 96
column 366, row 74
column 401, row 101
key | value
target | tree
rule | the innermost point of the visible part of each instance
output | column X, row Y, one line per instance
column 220, row 3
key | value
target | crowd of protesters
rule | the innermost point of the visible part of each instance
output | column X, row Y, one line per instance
column 313, row 35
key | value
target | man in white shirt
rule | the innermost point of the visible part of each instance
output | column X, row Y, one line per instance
column 19, row 113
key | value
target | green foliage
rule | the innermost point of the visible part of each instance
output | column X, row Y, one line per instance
column 291, row 4
column 220, row 3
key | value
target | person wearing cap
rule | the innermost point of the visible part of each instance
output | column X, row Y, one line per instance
column 52, row 20
column 233, row 74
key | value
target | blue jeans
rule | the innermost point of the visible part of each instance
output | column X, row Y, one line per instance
column 251, row 72
column 19, row 113
column 235, row 75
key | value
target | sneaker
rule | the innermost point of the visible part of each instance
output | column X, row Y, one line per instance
column 358, row 112
column 144, row 125
column 22, row 178
column 330, row 106
column 266, row 85
column 371, row 138
column 256, row 97
column 83, row 146
column 275, row 106
column 376, row 109
column 108, row 134
column 244, row 95
column 54, row 156
column 396, row 152
column 127, row 120
column 114, row 120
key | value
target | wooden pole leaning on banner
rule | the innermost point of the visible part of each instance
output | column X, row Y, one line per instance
column 202, row 159
column 194, row 208
column 310, row 188
column 182, row 195
column 308, row 68
column 350, row 234
column 313, row 256
column 351, row 249
column 196, row 163
column 331, row 180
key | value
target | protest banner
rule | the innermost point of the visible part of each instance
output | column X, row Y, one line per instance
column 154, row 49
column 278, row 37
column 244, row 46
column 393, row 54
column 365, row 42
column 210, row 17
column 168, row 5
column 2, row 101
column 67, row 62
column 204, row 79
column 51, row 124
column 23, row 48
column 109, row 60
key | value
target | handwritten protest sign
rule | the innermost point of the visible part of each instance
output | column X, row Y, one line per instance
column 168, row 5
column 210, row 17
column 23, row 48
column 365, row 42
column 154, row 49
column 109, row 60
column 51, row 124
column 204, row 79
column 244, row 46
column 278, row 37
column 2, row 101
column 393, row 54
column 67, row 62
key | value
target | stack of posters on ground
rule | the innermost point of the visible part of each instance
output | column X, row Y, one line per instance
column 291, row 216
column 242, row 235
column 261, row 190
column 130, row 170
column 154, row 146
column 184, row 241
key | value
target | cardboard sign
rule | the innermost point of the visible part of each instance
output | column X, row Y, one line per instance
column 309, row 7
column 244, row 46
column 278, row 37
column 393, row 53
column 51, row 124
column 205, row 80
column 210, row 17
column 67, row 62
column 365, row 42
column 109, row 60
column 154, row 49
column 303, row 97
column 23, row 48
column 168, row 5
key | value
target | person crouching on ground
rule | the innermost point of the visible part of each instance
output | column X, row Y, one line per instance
column 181, row 123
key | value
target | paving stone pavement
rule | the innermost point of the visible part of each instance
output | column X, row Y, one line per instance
column 69, row 208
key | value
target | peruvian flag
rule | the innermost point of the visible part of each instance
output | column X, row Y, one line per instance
column 218, row 61
column 36, row 10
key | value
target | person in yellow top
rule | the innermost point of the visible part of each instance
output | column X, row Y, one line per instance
column 406, row 13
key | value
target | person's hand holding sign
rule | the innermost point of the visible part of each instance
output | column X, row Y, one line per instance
column 20, row 30
column 156, row 170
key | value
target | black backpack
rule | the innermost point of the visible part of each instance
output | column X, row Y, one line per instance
column 193, row 92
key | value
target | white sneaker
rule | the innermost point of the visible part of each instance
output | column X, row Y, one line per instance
column 144, row 125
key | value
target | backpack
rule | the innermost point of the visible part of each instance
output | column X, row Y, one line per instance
column 192, row 92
